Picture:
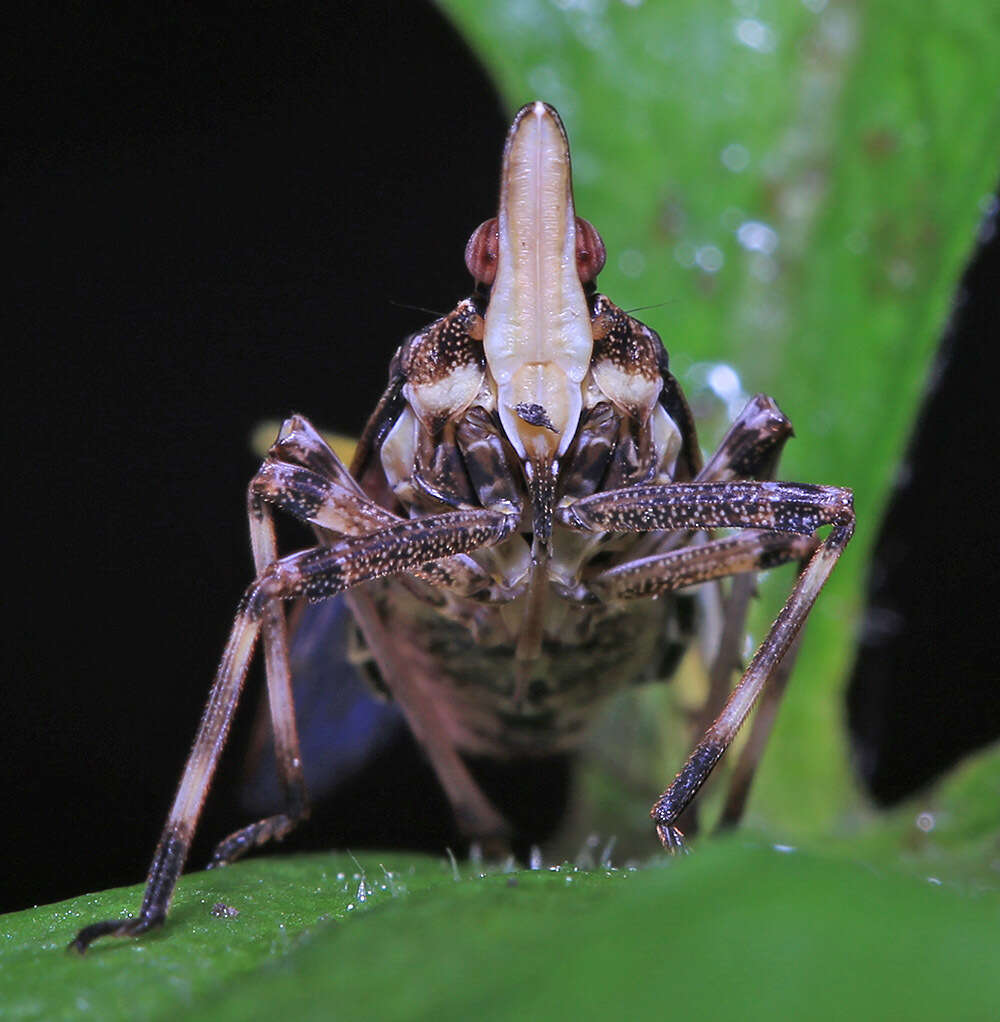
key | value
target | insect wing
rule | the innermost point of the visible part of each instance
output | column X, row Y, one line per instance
column 342, row 724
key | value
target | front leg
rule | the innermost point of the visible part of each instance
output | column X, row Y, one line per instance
column 303, row 477
column 315, row 574
column 781, row 507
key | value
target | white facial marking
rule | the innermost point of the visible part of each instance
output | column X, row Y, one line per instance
column 538, row 340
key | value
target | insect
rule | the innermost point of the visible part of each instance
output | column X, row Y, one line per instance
column 528, row 482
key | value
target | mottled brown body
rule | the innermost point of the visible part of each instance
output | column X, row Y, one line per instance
column 587, row 654
column 525, row 506
column 461, row 643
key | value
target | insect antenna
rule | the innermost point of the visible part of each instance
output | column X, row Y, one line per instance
column 416, row 308
column 656, row 305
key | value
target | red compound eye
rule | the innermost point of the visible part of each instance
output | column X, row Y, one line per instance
column 590, row 253
column 481, row 251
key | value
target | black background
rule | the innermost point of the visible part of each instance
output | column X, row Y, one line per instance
column 216, row 217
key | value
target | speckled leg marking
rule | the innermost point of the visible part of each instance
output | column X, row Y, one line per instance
column 781, row 507
column 303, row 477
column 721, row 558
column 751, row 449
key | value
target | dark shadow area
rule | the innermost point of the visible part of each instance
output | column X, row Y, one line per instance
column 369, row 781
column 925, row 689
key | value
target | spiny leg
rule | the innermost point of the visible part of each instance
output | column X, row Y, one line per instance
column 786, row 507
column 316, row 573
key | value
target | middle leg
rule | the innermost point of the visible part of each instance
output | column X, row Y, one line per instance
column 751, row 449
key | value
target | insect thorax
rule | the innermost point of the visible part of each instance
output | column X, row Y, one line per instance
column 446, row 449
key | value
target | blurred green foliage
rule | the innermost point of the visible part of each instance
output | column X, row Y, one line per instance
column 793, row 186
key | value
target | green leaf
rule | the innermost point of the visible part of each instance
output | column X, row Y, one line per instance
column 866, row 137
column 198, row 952
column 739, row 929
